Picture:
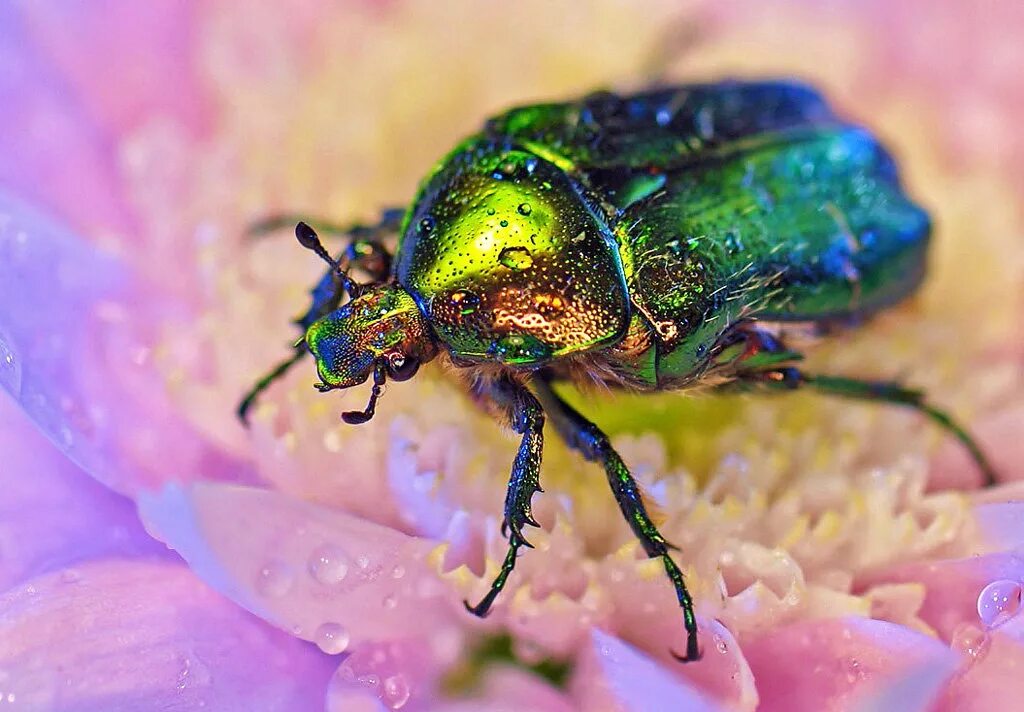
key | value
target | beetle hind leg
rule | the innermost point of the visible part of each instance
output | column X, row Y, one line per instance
column 527, row 419
column 585, row 437
column 791, row 378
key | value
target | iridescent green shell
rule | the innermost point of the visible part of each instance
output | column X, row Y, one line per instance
column 510, row 262
column 655, row 223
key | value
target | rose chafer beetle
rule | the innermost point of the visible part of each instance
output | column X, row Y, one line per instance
column 649, row 242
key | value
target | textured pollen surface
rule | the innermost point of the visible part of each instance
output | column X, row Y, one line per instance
column 509, row 261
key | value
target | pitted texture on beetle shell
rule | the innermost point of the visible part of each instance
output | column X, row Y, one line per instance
column 510, row 262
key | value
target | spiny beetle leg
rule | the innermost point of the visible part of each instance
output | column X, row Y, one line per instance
column 882, row 391
column 582, row 435
column 261, row 385
column 527, row 419
column 482, row 608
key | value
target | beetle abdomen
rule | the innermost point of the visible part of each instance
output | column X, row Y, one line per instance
column 811, row 225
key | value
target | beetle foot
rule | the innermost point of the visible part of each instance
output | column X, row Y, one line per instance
column 693, row 653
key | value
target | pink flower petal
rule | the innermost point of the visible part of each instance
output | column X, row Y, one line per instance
column 824, row 665
column 396, row 675
column 952, row 586
column 51, row 513
column 322, row 574
column 994, row 681
column 508, row 689
column 912, row 690
column 1000, row 435
column 144, row 68
column 1001, row 525
column 122, row 635
column 55, row 152
column 614, row 675
column 69, row 358
column 656, row 627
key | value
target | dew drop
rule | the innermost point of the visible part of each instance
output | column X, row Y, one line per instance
column 517, row 258
column 503, row 223
column 998, row 602
column 398, row 572
column 490, row 211
column 328, row 566
column 969, row 640
column 396, row 692
column 274, row 579
column 426, row 225
column 371, row 681
column 332, row 638
column 390, row 602
column 525, row 209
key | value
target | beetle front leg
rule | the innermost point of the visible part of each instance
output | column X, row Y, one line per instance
column 364, row 252
column 261, row 385
column 582, row 435
column 526, row 418
column 884, row 391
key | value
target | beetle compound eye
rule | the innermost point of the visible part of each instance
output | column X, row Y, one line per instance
column 401, row 367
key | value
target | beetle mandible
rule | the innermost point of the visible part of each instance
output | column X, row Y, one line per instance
column 650, row 242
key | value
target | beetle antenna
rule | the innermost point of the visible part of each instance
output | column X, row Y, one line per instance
column 308, row 238
column 358, row 417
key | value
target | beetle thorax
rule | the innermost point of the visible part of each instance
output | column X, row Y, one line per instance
column 510, row 262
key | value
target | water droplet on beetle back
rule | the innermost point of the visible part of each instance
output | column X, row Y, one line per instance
column 517, row 258
column 464, row 302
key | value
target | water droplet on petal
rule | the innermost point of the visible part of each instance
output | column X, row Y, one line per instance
column 969, row 640
column 398, row 572
column 332, row 638
column 328, row 565
column 525, row 209
column 371, row 681
column 396, row 692
column 274, row 579
column 998, row 602
column 503, row 223
column 517, row 258
column 390, row 602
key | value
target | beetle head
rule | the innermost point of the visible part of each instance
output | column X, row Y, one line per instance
column 381, row 333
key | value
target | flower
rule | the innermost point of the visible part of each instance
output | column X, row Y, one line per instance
column 837, row 553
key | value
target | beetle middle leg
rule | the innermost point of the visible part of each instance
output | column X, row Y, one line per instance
column 526, row 418
column 759, row 371
column 585, row 437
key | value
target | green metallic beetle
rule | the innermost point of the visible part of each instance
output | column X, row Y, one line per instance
column 648, row 242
